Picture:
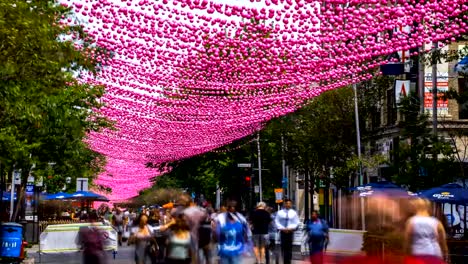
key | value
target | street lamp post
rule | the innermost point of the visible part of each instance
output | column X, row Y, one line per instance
column 358, row 136
column 259, row 168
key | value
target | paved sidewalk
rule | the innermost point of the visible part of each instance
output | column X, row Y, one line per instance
column 125, row 256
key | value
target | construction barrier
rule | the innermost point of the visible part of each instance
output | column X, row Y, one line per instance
column 64, row 238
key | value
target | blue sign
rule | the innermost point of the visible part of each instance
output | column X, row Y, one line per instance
column 29, row 188
column 285, row 182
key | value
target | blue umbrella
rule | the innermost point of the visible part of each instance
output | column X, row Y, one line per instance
column 83, row 195
column 381, row 188
column 462, row 66
column 376, row 185
column 57, row 196
column 452, row 193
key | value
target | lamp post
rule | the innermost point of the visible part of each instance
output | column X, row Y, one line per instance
column 259, row 168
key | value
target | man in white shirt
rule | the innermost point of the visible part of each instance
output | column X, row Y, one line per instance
column 287, row 221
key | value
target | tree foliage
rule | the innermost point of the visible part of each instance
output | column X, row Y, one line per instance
column 423, row 160
column 45, row 112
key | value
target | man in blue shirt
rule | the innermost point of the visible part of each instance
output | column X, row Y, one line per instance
column 233, row 233
column 317, row 232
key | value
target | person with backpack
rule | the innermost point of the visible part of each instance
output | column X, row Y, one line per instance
column 91, row 239
column 233, row 234
column 317, row 237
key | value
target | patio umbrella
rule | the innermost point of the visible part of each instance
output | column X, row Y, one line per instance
column 462, row 66
column 57, row 196
column 88, row 196
column 375, row 189
column 376, row 185
column 451, row 193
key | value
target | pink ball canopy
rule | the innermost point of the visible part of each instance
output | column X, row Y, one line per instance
column 189, row 76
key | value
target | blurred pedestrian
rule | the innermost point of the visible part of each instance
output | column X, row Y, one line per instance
column 317, row 237
column 118, row 223
column 91, row 239
column 179, row 243
column 145, row 244
column 205, row 233
column 271, row 254
column 425, row 235
column 194, row 216
column 260, row 220
column 287, row 222
column 233, row 234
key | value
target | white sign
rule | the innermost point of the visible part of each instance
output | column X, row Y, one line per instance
column 402, row 89
column 82, row 184
column 257, row 189
column 17, row 175
column 244, row 165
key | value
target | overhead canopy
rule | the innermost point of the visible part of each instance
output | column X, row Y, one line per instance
column 189, row 76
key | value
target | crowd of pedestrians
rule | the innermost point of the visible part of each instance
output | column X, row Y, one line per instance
column 184, row 233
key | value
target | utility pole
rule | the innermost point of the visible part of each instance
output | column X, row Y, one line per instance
column 434, row 88
column 358, row 133
column 306, row 194
column 259, row 168
column 421, row 80
column 285, row 179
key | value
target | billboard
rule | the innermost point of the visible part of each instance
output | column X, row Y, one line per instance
column 442, row 87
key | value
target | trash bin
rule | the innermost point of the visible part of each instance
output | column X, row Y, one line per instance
column 11, row 239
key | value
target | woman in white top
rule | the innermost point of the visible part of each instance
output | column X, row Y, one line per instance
column 142, row 237
column 425, row 235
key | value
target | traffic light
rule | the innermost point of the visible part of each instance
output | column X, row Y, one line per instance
column 247, row 179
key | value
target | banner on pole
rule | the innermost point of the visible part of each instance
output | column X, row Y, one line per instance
column 402, row 89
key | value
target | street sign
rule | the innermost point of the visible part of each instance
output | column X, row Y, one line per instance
column 285, row 182
column 29, row 188
column 257, row 189
column 279, row 195
column 244, row 165
column 17, row 175
column 40, row 182
column 82, row 184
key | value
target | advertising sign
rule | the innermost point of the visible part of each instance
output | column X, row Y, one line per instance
column 456, row 219
column 29, row 195
column 279, row 195
column 442, row 87
column 402, row 88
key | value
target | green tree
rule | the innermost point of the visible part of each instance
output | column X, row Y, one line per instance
column 45, row 112
column 422, row 159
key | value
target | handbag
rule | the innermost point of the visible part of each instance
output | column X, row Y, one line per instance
column 153, row 247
